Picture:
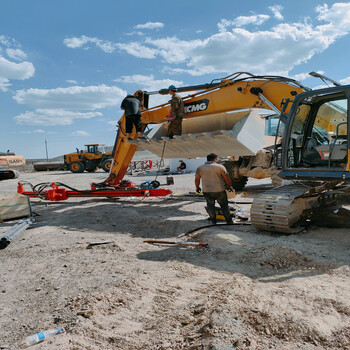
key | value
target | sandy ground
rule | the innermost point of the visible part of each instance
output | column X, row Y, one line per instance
column 245, row 290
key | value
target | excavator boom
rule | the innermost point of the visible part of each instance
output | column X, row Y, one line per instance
column 229, row 94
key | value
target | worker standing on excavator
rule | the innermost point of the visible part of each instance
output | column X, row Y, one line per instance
column 131, row 105
column 176, row 113
column 214, row 180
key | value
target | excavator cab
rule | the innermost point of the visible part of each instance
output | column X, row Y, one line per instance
column 316, row 140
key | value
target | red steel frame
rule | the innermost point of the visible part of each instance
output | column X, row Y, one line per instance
column 59, row 194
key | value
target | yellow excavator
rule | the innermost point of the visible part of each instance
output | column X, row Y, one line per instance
column 311, row 142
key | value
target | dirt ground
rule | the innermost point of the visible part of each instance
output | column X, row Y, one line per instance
column 245, row 290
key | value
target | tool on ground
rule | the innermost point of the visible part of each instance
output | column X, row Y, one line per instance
column 153, row 241
column 245, row 223
column 92, row 244
column 15, row 231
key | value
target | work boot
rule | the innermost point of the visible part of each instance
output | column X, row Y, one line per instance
column 213, row 221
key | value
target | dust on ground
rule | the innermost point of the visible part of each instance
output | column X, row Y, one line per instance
column 245, row 290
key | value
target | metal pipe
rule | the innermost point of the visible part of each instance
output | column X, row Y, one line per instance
column 15, row 231
column 272, row 106
column 323, row 77
column 185, row 89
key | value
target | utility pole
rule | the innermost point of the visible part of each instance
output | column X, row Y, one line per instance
column 47, row 154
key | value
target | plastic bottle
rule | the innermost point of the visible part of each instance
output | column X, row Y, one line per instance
column 37, row 338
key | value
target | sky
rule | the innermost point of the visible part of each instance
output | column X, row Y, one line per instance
column 66, row 65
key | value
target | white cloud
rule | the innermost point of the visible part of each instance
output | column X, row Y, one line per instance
column 194, row 72
column 80, row 133
column 242, row 21
column 51, row 117
column 345, row 81
column 75, row 42
column 150, row 25
column 172, row 49
column 74, row 82
column 276, row 10
column 16, row 54
column 71, row 98
column 276, row 50
column 147, row 82
column 138, row 50
column 301, row 76
column 62, row 106
column 4, row 84
column 5, row 41
column 135, row 33
column 37, row 131
column 10, row 70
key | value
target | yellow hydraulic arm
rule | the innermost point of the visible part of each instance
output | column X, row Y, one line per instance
column 228, row 94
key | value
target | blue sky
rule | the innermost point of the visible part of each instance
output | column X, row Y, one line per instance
column 65, row 66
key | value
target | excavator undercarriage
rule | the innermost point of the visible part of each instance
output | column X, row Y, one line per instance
column 287, row 209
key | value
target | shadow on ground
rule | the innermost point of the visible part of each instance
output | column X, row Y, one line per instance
column 234, row 249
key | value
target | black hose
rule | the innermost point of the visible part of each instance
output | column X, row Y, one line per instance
column 214, row 225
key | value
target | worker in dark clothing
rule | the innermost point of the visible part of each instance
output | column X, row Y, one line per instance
column 182, row 167
column 214, row 180
column 131, row 105
column 176, row 113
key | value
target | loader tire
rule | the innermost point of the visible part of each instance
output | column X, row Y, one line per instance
column 76, row 167
column 106, row 165
column 90, row 166
column 238, row 183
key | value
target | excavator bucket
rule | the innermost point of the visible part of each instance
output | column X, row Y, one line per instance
column 226, row 134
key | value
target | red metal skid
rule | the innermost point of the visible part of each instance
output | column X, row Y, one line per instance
column 59, row 194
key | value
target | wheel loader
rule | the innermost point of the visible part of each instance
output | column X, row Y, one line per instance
column 90, row 159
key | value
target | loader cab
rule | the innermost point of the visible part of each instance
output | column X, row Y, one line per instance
column 316, row 139
column 94, row 148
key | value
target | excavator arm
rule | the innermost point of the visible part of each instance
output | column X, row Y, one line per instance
column 237, row 92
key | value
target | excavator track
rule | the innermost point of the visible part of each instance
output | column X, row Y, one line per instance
column 7, row 174
column 279, row 209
